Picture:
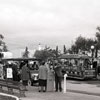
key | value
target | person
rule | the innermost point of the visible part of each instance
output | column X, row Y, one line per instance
column 50, row 79
column 25, row 74
column 1, row 70
column 95, row 67
column 35, row 66
column 58, row 77
column 15, row 72
column 43, row 73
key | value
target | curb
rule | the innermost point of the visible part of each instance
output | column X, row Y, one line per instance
column 4, row 94
column 83, row 92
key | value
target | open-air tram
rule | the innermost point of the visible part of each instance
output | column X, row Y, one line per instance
column 78, row 66
column 32, row 67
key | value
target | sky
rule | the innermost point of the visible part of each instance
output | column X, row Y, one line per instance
column 49, row 22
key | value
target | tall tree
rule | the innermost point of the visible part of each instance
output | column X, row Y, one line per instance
column 3, row 46
column 46, row 53
column 64, row 49
column 74, row 49
column 97, row 41
column 26, row 53
column 57, row 51
column 5, row 49
column 82, row 44
column 89, row 43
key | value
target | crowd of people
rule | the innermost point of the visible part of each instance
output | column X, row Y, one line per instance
column 49, row 73
column 47, row 70
column 21, row 73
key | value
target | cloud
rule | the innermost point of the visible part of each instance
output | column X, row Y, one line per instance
column 55, row 22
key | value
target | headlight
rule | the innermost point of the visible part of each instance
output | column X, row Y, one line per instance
column 34, row 75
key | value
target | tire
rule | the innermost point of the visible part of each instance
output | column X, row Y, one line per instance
column 32, row 83
column 29, row 83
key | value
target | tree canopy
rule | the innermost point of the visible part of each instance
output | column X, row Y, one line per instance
column 47, row 53
column 82, row 44
column 26, row 53
column 3, row 46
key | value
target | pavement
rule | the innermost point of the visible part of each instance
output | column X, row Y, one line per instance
column 76, row 87
column 91, row 88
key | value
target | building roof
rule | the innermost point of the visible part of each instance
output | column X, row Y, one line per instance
column 74, row 56
column 19, row 59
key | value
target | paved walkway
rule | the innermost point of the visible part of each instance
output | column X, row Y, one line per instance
column 72, row 87
column 84, row 88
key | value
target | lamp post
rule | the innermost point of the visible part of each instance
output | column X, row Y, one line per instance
column 92, row 49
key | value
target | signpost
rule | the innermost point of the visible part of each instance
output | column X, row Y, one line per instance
column 9, row 73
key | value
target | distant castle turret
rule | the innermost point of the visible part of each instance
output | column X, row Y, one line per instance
column 39, row 47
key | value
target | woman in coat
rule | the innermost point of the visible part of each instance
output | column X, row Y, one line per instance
column 43, row 74
column 25, row 75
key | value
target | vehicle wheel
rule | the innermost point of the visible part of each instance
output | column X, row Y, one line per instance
column 32, row 83
column 29, row 83
column 98, row 77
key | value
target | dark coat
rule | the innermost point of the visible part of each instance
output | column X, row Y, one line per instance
column 58, row 70
column 43, row 72
column 25, row 74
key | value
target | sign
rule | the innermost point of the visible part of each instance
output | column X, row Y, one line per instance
column 9, row 73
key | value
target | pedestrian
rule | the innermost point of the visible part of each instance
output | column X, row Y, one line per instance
column 25, row 74
column 43, row 73
column 50, row 80
column 35, row 66
column 15, row 72
column 58, row 77
column 1, row 71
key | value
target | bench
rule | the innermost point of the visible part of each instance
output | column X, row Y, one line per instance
column 10, row 85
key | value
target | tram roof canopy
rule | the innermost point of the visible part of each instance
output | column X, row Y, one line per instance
column 20, row 59
column 74, row 56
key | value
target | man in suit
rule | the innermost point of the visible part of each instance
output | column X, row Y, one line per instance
column 58, row 76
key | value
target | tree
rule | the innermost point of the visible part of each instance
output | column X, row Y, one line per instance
column 3, row 46
column 43, row 55
column 64, row 49
column 79, row 45
column 47, row 53
column 97, row 41
column 82, row 44
column 56, row 52
column 26, row 53
column 89, row 43
column 74, row 49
